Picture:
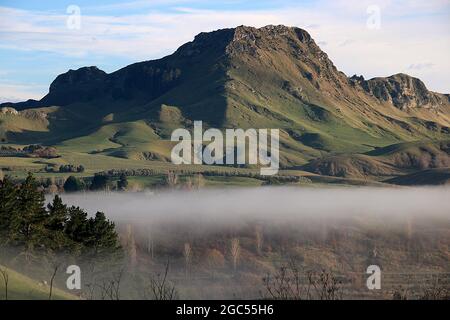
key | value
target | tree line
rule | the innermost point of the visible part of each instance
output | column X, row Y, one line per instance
column 99, row 182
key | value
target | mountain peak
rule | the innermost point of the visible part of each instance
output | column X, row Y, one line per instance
column 66, row 87
column 250, row 37
column 244, row 38
column 270, row 31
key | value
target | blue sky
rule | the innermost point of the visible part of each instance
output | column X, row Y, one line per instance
column 36, row 44
column 120, row 7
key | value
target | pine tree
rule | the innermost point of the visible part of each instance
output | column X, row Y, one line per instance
column 56, row 221
column 103, row 236
column 76, row 227
column 57, row 214
column 27, row 224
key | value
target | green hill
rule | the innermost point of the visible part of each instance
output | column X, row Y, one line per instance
column 382, row 163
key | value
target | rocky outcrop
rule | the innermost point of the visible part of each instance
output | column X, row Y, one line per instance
column 289, row 43
column 401, row 90
column 75, row 85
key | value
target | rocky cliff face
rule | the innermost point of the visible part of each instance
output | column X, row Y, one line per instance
column 402, row 91
column 75, row 85
column 90, row 83
column 291, row 46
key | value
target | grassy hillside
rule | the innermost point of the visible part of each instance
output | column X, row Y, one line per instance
column 384, row 163
column 425, row 177
column 21, row 287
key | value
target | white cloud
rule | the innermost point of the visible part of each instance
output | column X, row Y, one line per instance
column 400, row 43
column 420, row 66
column 141, row 4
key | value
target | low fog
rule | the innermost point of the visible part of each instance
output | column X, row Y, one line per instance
column 267, row 204
column 222, row 243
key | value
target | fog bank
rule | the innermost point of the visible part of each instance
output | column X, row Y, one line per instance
column 267, row 203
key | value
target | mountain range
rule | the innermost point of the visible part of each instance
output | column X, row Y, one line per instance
column 388, row 129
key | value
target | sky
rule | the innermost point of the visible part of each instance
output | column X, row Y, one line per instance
column 40, row 39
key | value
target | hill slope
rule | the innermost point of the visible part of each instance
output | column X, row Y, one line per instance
column 21, row 287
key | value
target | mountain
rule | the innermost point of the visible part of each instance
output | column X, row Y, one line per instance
column 271, row 77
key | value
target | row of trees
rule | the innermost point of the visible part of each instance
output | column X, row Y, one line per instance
column 25, row 221
column 65, row 168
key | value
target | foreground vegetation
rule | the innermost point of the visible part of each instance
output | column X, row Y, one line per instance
column 41, row 239
column 26, row 222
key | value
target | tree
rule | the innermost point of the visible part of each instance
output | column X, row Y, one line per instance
column 55, row 270
column 57, row 214
column 47, row 182
column 5, row 276
column 73, row 184
column 122, row 184
column 99, row 182
column 56, row 221
column 131, row 245
column 110, row 288
column 214, row 260
column 76, row 227
column 171, row 179
column 290, row 283
column 27, row 224
column 160, row 288
column 102, row 234
column 187, row 258
column 259, row 239
column 234, row 251
column 8, row 195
